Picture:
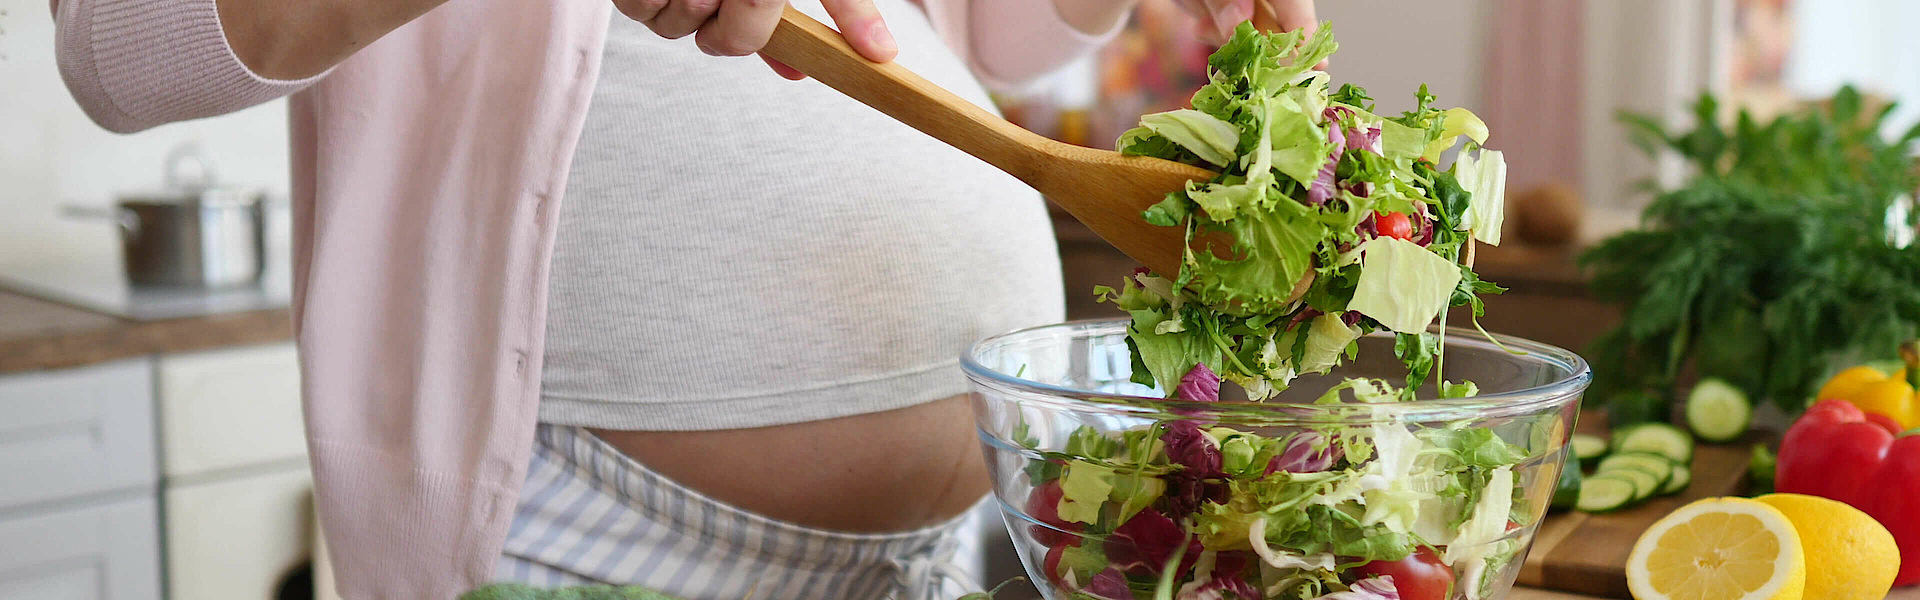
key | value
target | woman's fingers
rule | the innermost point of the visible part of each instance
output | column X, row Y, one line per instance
column 1227, row 15
column 741, row 27
column 640, row 10
column 683, row 17
column 1292, row 14
column 861, row 24
column 1288, row 15
column 783, row 69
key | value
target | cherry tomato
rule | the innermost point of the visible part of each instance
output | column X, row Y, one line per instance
column 1419, row 576
column 1043, row 505
column 1394, row 225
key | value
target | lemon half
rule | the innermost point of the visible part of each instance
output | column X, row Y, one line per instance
column 1719, row 549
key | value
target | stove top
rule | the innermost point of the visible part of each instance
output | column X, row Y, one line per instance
column 102, row 287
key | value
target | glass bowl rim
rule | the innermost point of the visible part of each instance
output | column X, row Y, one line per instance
column 1498, row 404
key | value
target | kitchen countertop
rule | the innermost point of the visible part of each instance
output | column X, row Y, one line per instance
column 40, row 334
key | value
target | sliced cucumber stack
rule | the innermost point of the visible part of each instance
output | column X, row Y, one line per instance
column 1653, row 464
column 1588, row 448
column 1717, row 411
column 1658, row 438
column 1682, row 475
column 1628, row 477
column 1603, row 493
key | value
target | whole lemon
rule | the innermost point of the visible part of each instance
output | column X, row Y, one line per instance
column 1849, row 554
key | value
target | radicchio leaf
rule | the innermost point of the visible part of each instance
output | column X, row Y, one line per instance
column 1200, row 384
column 1191, row 448
column 1305, row 452
column 1145, row 542
column 1372, row 588
column 1109, row 584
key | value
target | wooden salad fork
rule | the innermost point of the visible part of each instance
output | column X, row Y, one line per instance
column 1103, row 189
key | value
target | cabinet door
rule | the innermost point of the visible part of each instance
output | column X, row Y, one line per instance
column 103, row 551
column 237, row 538
column 70, row 432
column 229, row 408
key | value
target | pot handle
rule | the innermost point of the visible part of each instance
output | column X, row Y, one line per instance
column 126, row 219
column 189, row 151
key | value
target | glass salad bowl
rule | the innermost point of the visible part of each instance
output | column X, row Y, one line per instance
column 1316, row 493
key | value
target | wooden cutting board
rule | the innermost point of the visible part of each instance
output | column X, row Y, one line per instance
column 1587, row 554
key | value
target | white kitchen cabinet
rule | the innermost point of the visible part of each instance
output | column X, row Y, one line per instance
column 104, row 551
column 71, row 432
column 229, row 408
column 238, row 538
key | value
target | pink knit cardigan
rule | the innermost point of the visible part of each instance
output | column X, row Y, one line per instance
column 425, row 178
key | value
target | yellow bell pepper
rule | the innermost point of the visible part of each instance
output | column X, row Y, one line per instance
column 1876, row 392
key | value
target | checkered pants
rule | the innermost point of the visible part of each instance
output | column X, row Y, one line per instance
column 591, row 515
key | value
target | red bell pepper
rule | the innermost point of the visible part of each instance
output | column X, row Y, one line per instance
column 1835, row 451
column 1896, row 503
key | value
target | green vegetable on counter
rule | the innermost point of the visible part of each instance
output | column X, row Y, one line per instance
column 1636, row 406
column 1760, row 471
column 1778, row 257
column 1658, row 438
column 1717, row 411
column 1588, row 448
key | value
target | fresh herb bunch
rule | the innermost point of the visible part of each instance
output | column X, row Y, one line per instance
column 1771, row 263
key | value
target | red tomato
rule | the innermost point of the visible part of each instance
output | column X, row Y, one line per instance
column 1419, row 576
column 1044, row 506
column 1394, row 225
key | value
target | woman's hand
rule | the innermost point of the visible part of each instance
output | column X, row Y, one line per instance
column 1218, row 18
column 742, row 27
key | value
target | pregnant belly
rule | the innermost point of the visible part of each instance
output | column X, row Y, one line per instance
column 881, row 472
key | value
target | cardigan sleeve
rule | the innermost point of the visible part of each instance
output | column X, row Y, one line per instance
column 1010, row 43
column 136, row 64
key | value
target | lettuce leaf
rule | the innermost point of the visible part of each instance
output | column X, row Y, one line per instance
column 1273, row 252
column 1084, row 489
column 1484, row 175
column 1402, row 285
column 1206, row 136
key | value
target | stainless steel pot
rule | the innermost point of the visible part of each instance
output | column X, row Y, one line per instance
column 192, row 234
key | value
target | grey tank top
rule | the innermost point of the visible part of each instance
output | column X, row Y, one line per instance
column 737, row 250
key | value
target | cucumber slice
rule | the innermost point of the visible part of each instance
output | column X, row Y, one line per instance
column 1602, row 493
column 1645, row 484
column 1588, row 448
column 1717, row 411
column 1678, row 482
column 1658, row 438
column 1566, row 492
column 1654, row 464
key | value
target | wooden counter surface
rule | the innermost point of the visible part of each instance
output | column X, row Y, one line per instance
column 37, row 334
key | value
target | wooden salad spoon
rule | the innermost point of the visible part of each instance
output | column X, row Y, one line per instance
column 1103, row 189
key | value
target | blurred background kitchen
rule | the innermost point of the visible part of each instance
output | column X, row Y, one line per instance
column 150, row 438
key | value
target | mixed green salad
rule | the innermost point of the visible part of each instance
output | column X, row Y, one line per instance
column 1326, row 222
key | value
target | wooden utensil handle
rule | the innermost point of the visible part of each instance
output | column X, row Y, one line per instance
column 817, row 50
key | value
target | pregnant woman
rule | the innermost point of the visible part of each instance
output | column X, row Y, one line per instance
column 578, row 304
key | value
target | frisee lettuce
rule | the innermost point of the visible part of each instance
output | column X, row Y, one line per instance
column 1288, row 225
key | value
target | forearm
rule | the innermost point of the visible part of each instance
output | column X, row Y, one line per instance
column 294, row 39
column 1094, row 17
column 137, row 64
